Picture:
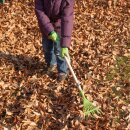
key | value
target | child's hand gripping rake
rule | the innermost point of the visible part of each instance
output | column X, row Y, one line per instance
column 88, row 107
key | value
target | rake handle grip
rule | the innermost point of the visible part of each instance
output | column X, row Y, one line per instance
column 72, row 72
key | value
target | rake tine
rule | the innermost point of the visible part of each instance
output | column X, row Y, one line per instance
column 88, row 107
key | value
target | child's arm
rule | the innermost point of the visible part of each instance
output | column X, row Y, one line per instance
column 43, row 20
column 67, row 23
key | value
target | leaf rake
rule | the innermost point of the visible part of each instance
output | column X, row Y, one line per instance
column 88, row 107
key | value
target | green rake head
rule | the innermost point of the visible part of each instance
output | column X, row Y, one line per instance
column 88, row 107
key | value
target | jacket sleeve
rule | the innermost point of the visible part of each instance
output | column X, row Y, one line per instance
column 43, row 20
column 67, row 23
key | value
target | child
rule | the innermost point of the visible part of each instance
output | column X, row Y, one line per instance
column 55, row 19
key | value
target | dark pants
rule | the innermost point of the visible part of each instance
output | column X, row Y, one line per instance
column 52, row 55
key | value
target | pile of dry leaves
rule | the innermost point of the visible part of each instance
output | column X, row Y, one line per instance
column 30, row 100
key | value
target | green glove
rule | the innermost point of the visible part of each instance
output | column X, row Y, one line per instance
column 64, row 52
column 54, row 37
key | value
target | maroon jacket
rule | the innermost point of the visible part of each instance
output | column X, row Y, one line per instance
column 56, row 15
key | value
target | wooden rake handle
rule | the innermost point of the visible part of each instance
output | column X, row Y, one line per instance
column 72, row 72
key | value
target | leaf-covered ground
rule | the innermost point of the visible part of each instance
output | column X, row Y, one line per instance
column 30, row 100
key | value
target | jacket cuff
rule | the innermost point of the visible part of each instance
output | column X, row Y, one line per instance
column 65, row 42
column 51, row 33
column 48, row 29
